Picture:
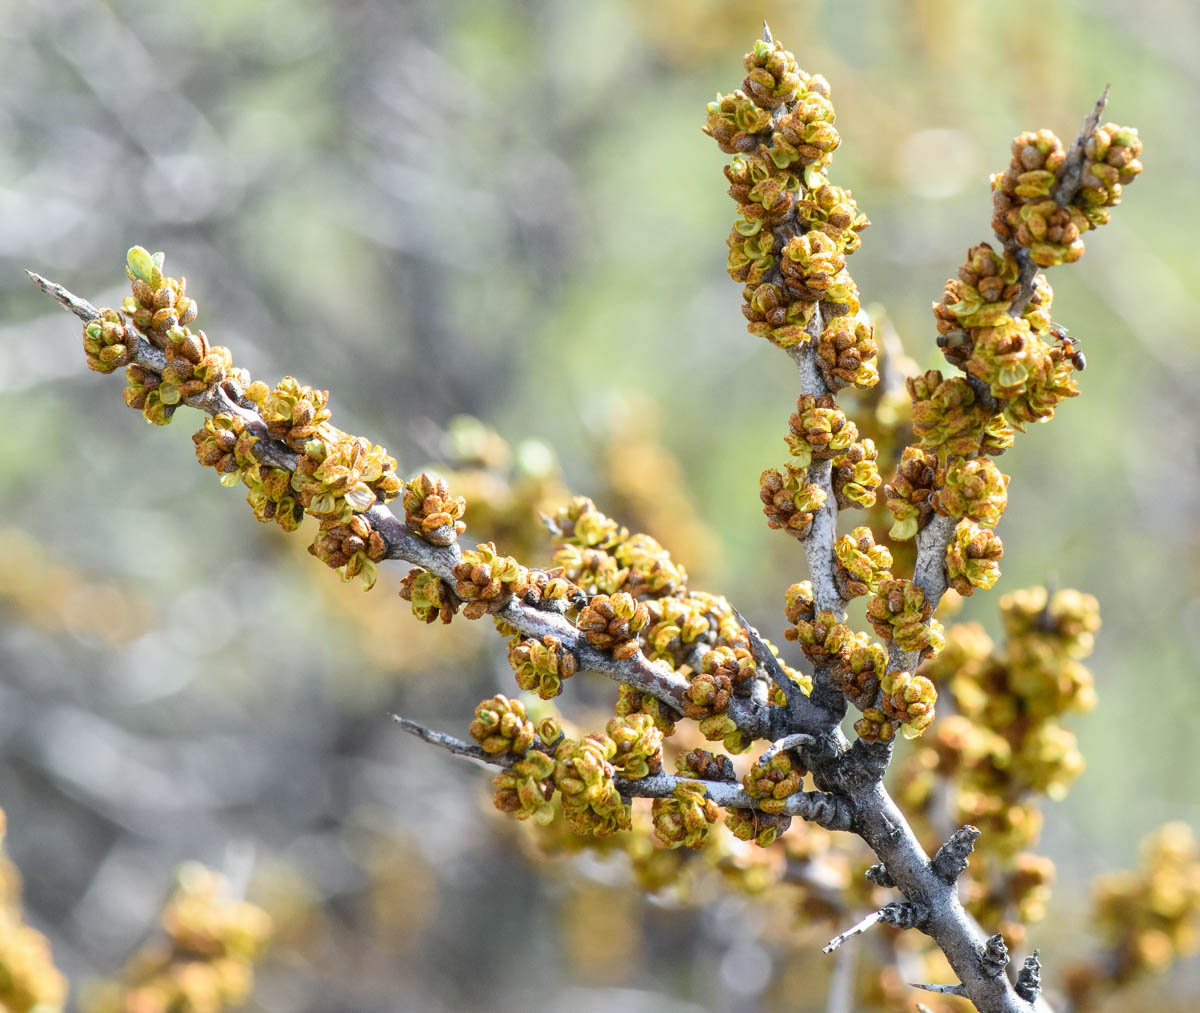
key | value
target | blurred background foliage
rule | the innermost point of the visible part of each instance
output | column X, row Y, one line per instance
column 507, row 209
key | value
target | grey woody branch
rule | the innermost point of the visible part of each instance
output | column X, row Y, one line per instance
column 751, row 716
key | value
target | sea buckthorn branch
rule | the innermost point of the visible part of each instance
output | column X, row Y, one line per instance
column 750, row 715
column 995, row 326
column 824, row 809
column 934, row 539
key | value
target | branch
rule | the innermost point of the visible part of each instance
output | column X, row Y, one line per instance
column 929, row 572
column 828, row 811
column 644, row 675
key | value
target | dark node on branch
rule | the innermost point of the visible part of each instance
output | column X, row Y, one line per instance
column 994, row 957
column 940, row 989
column 904, row 914
column 1029, row 979
column 833, row 812
column 951, row 860
column 878, row 875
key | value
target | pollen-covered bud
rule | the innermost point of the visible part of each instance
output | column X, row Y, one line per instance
column 945, row 413
column 998, row 436
column 832, row 210
column 1037, row 158
column 823, row 639
column 908, row 494
column 639, row 745
column 855, row 476
column 847, row 354
column 735, row 121
column 762, row 828
column 863, row 666
column 352, row 547
column 909, row 699
column 874, row 726
column 1051, row 381
column 789, row 499
column 683, row 820
column 613, row 622
column 487, row 581
column 1052, row 233
column 541, row 666
column 552, row 591
column 750, row 257
column 651, row 571
column 632, row 701
column 107, row 343
column 973, row 558
column 772, row 78
column 583, row 774
column 594, row 571
column 900, row 612
column 819, row 430
column 294, row 412
column 811, row 266
column 500, row 726
column 215, row 443
column 580, row 523
column 974, row 489
column 722, row 728
column 431, row 512
column 705, row 765
column 526, row 788
column 733, row 663
column 271, row 496
column 860, row 564
column 776, row 316
column 431, row 597
column 773, row 781
column 1111, row 161
column 707, row 694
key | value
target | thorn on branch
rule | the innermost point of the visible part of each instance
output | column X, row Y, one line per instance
column 1029, row 979
column 879, row 875
column 940, row 989
column 767, row 36
column 787, row 742
column 449, row 743
column 950, row 862
column 994, row 957
column 902, row 914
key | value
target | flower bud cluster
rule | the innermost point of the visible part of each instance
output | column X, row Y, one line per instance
column 773, row 780
column 487, row 581
column 28, row 978
column 526, row 788
column 908, row 494
column 973, row 558
column 794, row 230
column 583, row 774
column 603, row 558
column 541, row 666
column 500, row 726
column 431, row 597
column 1024, row 205
column 613, row 622
column 639, row 745
column 1148, row 917
column 973, row 489
column 900, row 612
column 206, row 959
column 821, row 635
column 789, row 499
column 431, row 511
column 861, row 565
column 684, row 819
